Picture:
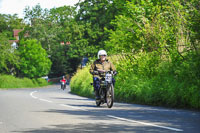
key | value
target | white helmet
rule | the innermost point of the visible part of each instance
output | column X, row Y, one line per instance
column 101, row 52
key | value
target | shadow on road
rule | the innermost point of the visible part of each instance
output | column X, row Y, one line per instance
column 94, row 128
column 99, row 121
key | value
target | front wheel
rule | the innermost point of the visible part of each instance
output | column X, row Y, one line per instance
column 64, row 87
column 110, row 96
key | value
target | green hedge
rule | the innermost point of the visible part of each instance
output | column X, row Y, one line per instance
column 162, row 84
column 80, row 83
column 8, row 81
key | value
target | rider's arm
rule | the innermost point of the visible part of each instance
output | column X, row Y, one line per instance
column 113, row 68
column 92, row 71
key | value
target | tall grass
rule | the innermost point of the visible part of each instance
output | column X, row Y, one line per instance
column 8, row 81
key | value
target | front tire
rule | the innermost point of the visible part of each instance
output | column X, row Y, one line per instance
column 110, row 96
column 64, row 87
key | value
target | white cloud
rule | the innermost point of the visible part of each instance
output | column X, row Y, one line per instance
column 18, row 6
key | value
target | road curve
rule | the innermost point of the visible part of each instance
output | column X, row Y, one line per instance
column 50, row 109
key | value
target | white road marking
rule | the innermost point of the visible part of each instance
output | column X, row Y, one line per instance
column 144, row 123
column 40, row 98
column 64, row 105
column 32, row 94
column 45, row 100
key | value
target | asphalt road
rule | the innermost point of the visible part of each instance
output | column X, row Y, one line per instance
column 50, row 109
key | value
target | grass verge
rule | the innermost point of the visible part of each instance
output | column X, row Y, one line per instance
column 9, row 81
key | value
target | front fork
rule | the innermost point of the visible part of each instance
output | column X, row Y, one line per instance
column 103, row 90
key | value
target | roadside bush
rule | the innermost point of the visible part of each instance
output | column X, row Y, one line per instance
column 162, row 85
column 80, row 83
column 34, row 61
column 8, row 81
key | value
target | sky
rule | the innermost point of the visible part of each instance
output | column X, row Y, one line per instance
column 17, row 6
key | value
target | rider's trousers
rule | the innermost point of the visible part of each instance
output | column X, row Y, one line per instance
column 96, row 83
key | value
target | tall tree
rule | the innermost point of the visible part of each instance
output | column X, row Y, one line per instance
column 9, row 59
column 96, row 15
column 10, row 22
column 34, row 61
column 40, row 27
column 60, row 35
column 70, row 35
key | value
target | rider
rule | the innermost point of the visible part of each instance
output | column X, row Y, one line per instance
column 100, row 66
column 63, row 80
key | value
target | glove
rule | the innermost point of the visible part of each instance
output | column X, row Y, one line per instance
column 114, row 73
column 95, row 72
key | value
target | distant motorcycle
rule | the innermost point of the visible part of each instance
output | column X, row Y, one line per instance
column 106, row 91
column 63, row 84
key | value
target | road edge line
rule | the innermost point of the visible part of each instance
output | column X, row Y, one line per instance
column 31, row 94
column 144, row 123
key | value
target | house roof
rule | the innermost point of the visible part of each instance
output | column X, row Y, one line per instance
column 16, row 32
column 12, row 41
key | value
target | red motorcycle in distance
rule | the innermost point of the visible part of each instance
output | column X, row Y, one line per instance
column 63, row 84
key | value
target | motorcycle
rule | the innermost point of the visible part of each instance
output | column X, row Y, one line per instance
column 106, row 91
column 63, row 84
